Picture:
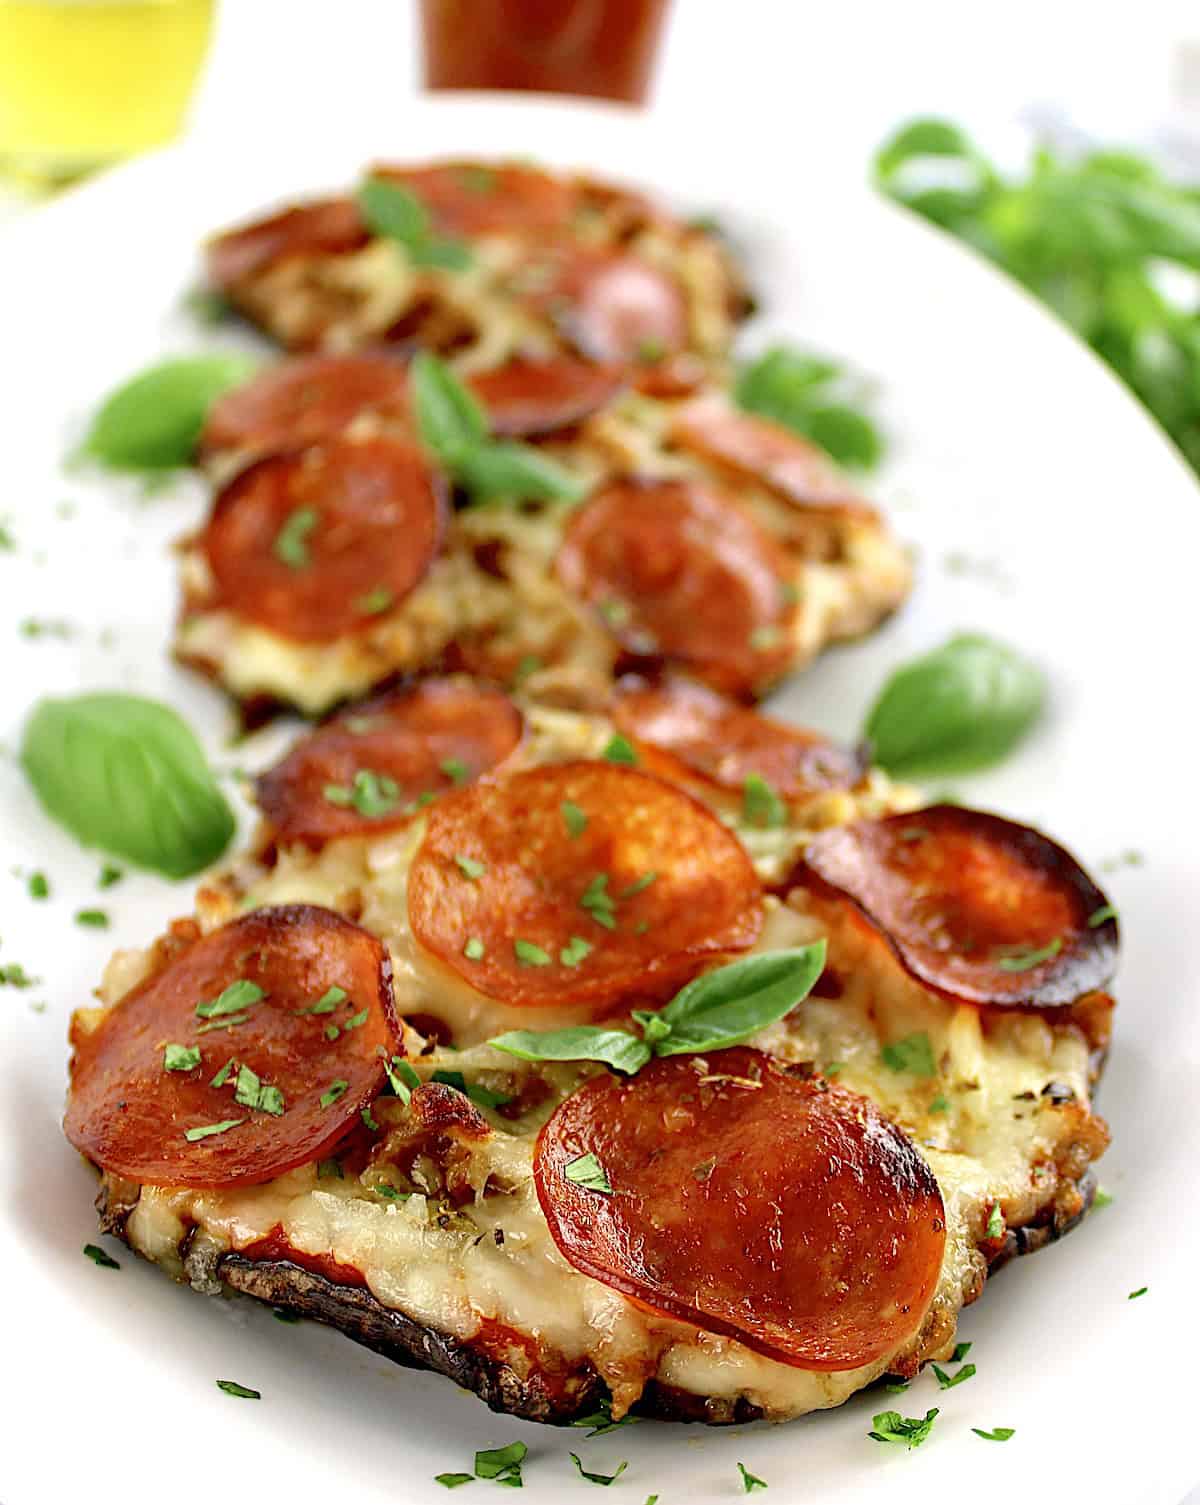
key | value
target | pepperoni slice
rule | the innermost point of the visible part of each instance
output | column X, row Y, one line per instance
column 747, row 446
column 385, row 757
column 583, row 882
column 316, row 1070
column 323, row 227
column 480, row 198
column 304, row 400
column 610, row 305
column 974, row 906
column 752, row 1201
column 695, row 730
column 526, row 399
column 316, row 543
column 678, row 570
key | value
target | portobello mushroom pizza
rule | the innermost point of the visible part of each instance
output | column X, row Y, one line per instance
column 540, row 521
column 575, row 1058
column 483, row 262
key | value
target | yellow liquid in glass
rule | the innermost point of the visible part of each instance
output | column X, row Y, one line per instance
column 83, row 81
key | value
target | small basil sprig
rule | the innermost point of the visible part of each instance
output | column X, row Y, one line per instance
column 153, row 421
column 715, row 1010
column 127, row 775
column 394, row 212
column 814, row 397
column 961, row 707
column 454, row 428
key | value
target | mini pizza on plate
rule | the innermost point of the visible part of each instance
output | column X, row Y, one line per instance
column 485, row 261
column 609, row 530
column 665, row 1058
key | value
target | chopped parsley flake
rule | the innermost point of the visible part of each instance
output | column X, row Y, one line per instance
column 402, row 1078
column 761, row 805
column 750, row 1482
column 204, row 1131
column 1141, row 1291
column 530, row 664
column 333, row 1092
column 109, row 874
column 180, row 1057
column 14, row 975
column 330, row 1170
column 1102, row 1198
column 948, row 1381
column 501, row 1463
column 39, row 886
column 835, row 1068
column 356, row 1021
column 940, row 1104
column 574, row 818
column 997, row 1434
column 961, row 1350
column 586, row 1171
column 530, row 955
column 455, row 770
column 222, row 1076
column 1025, row 959
column 369, row 1121
column 601, row 1420
column 100, row 1257
column 574, row 952
column 913, row 1053
column 598, row 902
column 327, row 1002
column 94, row 919
column 638, row 886
column 469, row 867
column 375, row 601
column 474, row 950
column 291, row 542
column 995, row 1222
column 372, row 795
column 282, row 1315
column 252, row 1092
column 237, row 996
column 452, row 1481
column 243, row 1392
column 908, row 1431
column 620, row 750
column 605, row 1479
column 1101, row 916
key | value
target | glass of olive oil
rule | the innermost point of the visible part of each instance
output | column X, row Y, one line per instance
column 83, row 82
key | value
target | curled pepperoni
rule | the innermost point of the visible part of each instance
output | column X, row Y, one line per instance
column 751, row 1201
column 304, row 400
column 526, row 399
column 480, row 198
column 610, row 305
column 746, row 446
column 310, row 1072
column 686, row 726
column 385, row 758
column 324, row 227
column 588, row 883
column 679, row 571
column 974, row 906
column 318, row 542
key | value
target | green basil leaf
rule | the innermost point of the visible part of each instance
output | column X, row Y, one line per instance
column 506, row 469
column 127, row 775
column 393, row 211
column 809, row 394
column 152, row 421
column 615, row 1047
column 721, row 1007
column 451, row 421
column 451, row 254
column 919, row 139
column 961, row 707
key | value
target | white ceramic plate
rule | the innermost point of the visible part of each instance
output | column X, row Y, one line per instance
column 1044, row 507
